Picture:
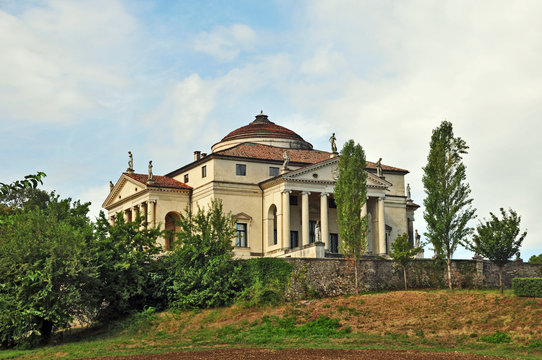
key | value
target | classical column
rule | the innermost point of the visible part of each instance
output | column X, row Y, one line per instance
column 305, row 216
column 151, row 212
column 126, row 215
column 112, row 220
column 135, row 212
column 286, row 218
column 364, row 213
column 381, row 227
column 324, row 228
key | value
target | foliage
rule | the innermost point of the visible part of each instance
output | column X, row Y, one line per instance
column 403, row 254
column 497, row 239
column 447, row 204
column 531, row 287
column 496, row 338
column 350, row 195
column 43, row 262
column 123, row 254
column 30, row 181
column 204, row 273
column 265, row 281
column 536, row 259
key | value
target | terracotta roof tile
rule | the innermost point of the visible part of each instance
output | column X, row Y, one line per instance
column 306, row 156
column 159, row 181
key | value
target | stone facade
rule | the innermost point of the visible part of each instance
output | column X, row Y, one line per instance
column 333, row 277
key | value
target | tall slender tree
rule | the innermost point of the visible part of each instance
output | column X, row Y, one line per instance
column 447, row 203
column 350, row 195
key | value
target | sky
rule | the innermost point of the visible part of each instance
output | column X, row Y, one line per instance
column 84, row 82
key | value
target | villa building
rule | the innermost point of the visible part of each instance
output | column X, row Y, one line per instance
column 279, row 189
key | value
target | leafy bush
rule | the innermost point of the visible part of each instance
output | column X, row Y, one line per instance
column 43, row 263
column 123, row 255
column 531, row 287
column 536, row 259
column 497, row 338
column 265, row 279
column 204, row 274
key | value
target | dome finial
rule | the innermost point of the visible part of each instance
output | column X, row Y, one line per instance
column 261, row 112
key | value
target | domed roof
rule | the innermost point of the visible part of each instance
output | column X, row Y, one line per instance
column 263, row 131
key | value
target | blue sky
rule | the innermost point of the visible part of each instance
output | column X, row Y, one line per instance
column 83, row 82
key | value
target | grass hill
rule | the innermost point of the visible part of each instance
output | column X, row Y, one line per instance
column 482, row 322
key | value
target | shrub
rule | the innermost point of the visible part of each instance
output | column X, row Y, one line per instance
column 266, row 280
column 497, row 338
column 531, row 287
column 536, row 259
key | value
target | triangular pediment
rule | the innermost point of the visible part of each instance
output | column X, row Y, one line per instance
column 327, row 172
column 124, row 188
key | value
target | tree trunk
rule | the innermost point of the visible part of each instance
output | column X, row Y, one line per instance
column 449, row 263
column 500, row 279
column 404, row 276
column 46, row 330
column 356, row 276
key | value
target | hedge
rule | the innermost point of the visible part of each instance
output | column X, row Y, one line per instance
column 531, row 287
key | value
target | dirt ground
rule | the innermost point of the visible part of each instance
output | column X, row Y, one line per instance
column 301, row 354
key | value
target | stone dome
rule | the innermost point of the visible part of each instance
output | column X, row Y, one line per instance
column 262, row 131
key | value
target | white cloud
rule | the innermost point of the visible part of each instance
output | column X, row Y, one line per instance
column 225, row 43
column 475, row 64
column 61, row 60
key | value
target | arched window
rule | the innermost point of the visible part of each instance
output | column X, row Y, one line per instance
column 171, row 229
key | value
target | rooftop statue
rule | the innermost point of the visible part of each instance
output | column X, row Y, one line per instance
column 286, row 158
column 379, row 168
column 333, row 141
column 130, row 163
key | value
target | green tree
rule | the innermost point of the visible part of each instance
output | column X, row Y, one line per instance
column 124, row 256
column 498, row 239
column 403, row 254
column 536, row 259
column 350, row 195
column 447, row 204
column 204, row 273
column 42, row 267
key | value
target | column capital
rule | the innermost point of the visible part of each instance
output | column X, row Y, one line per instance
column 382, row 197
column 324, row 194
column 286, row 191
column 305, row 193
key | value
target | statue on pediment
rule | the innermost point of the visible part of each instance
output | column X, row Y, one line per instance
column 333, row 142
column 111, row 186
column 408, row 193
column 130, row 163
column 151, row 176
column 379, row 168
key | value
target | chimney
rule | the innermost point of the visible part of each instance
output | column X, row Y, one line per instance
column 197, row 155
column 203, row 155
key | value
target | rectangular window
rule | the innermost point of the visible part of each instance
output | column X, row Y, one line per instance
column 273, row 171
column 334, row 243
column 312, row 231
column 185, row 178
column 241, row 235
column 204, row 171
column 240, row 169
column 293, row 200
column 331, row 203
column 294, row 239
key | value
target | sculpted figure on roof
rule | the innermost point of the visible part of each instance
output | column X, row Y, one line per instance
column 151, row 177
column 333, row 142
column 130, row 161
column 379, row 168
column 286, row 158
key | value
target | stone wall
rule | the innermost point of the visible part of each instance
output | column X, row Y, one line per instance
column 332, row 277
